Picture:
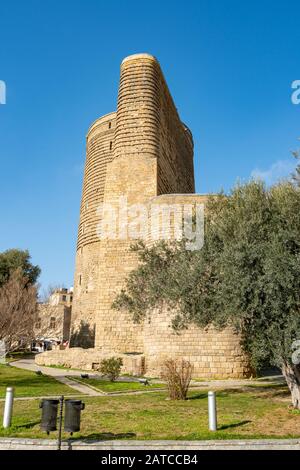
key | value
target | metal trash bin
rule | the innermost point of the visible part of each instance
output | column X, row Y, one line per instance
column 72, row 415
column 49, row 414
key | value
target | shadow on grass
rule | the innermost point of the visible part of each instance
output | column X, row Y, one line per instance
column 276, row 380
column 228, row 392
column 106, row 436
column 278, row 390
column 27, row 426
column 268, row 373
column 197, row 396
column 235, row 425
column 219, row 394
column 248, row 389
column 281, row 394
column 268, row 386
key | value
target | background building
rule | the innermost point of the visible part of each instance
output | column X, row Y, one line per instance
column 54, row 319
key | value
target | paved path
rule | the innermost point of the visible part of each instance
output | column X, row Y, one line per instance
column 61, row 375
column 64, row 376
column 29, row 364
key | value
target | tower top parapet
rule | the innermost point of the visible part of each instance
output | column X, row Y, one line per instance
column 143, row 55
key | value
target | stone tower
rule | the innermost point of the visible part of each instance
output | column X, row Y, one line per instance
column 142, row 153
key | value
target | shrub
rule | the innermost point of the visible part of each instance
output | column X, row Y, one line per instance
column 178, row 376
column 111, row 367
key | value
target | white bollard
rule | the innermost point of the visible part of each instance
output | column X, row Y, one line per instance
column 8, row 408
column 212, row 411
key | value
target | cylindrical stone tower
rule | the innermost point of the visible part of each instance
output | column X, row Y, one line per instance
column 139, row 152
column 99, row 152
column 132, row 174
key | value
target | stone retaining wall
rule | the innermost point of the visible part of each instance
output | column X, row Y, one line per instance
column 48, row 444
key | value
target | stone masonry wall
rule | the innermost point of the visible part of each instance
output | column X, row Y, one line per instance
column 175, row 172
column 89, row 359
column 99, row 148
column 213, row 353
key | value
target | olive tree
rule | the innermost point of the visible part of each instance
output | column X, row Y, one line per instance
column 247, row 275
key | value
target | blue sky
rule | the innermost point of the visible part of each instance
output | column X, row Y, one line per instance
column 229, row 66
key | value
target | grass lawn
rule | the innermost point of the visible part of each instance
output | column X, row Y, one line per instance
column 107, row 386
column 28, row 384
column 253, row 413
column 15, row 356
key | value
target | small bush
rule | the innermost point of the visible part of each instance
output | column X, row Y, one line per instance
column 111, row 367
column 178, row 376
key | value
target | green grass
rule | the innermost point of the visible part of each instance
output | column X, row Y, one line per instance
column 29, row 384
column 107, row 386
column 257, row 413
column 65, row 368
column 17, row 355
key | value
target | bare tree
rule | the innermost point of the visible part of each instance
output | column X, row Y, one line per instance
column 18, row 312
column 178, row 375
